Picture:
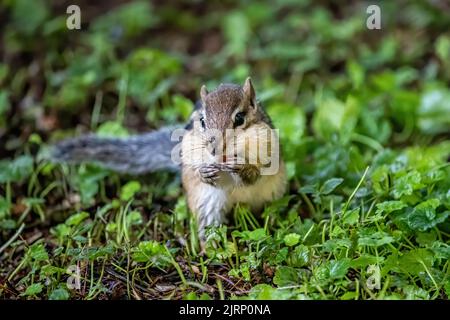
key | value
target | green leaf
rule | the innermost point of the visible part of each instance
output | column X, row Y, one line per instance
column 255, row 235
column 429, row 206
column 426, row 239
column 277, row 205
column 8, row 224
column 434, row 111
column 334, row 116
column 365, row 260
column 134, row 218
column 152, row 74
column 389, row 206
column 129, row 190
column 76, row 219
column 4, row 101
column 5, row 206
column 130, row 18
column 16, row 170
column 338, row 268
column 28, row 16
column 351, row 217
column 153, row 252
column 87, row 181
column 285, row 276
column 59, row 294
column 406, row 184
column 441, row 250
column 102, row 252
column 181, row 106
column 290, row 120
column 111, row 227
column 308, row 189
column 300, row 256
column 443, row 47
column 37, row 252
column 237, row 32
column 416, row 261
column 447, row 288
column 112, row 129
column 370, row 238
column 49, row 270
column 308, row 231
column 419, row 220
column 280, row 256
column 228, row 250
column 416, row 293
column 193, row 296
column 61, row 231
column 267, row 292
column 291, row 239
column 33, row 289
column 330, row 185
column 356, row 73
column 331, row 270
column 351, row 295
column 380, row 180
column 181, row 210
column 424, row 217
column 331, row 245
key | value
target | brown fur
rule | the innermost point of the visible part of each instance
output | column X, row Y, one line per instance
column 220, row 104
column 214, row 185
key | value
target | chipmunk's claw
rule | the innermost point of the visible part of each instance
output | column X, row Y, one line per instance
column 232, row 167
column 209, row 174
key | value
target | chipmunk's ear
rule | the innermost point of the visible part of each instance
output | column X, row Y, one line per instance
column 249, row 92
column 203, row 93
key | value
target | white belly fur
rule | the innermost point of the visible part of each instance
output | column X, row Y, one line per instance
column 211, row 204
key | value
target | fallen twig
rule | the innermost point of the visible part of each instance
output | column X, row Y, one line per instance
column 14, row 237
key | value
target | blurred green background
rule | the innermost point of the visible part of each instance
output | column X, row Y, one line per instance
column 344, row 98
column 139, row 62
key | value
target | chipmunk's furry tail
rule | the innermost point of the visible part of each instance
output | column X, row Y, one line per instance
column 133, row 155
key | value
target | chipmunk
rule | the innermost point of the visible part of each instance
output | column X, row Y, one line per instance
column 218, row 169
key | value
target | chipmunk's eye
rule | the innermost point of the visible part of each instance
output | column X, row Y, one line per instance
column 239, row 119
column 202, row 122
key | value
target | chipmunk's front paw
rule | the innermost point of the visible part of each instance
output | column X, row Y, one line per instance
column 232, row 167
column 248, row 173
column 209, row 174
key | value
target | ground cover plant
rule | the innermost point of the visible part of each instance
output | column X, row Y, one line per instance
column 364, row 120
